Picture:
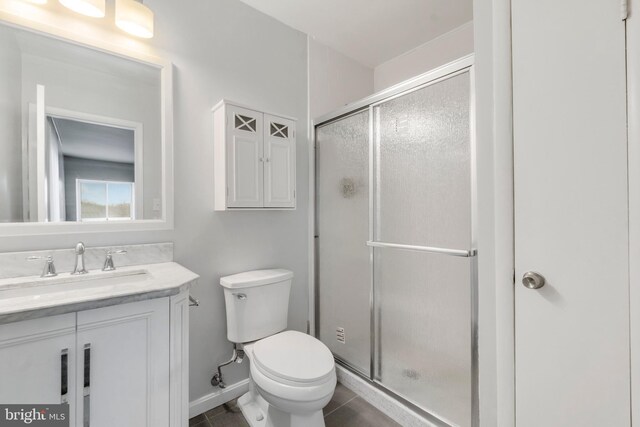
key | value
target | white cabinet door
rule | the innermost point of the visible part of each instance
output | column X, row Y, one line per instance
column 571, row 215
column 244, row 158
column 36, row 361
column 280, row 162
column 123, row 368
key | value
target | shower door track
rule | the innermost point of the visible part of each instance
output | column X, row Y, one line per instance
column 381, row 387
column 460, row 66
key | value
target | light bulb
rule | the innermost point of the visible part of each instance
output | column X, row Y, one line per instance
column 134, row 18
column 93, row 8
column 36, row 1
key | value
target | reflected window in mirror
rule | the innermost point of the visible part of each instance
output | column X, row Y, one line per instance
column 104, row 200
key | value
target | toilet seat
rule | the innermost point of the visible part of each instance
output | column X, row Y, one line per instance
column 294, row 358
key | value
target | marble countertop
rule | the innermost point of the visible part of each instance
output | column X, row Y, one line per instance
column 32, row 297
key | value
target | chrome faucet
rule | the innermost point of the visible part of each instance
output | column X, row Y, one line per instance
column 79, row 268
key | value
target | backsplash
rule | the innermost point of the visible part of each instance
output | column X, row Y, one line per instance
column 15, row 264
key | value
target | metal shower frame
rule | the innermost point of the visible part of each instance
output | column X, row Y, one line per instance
column 458, row 67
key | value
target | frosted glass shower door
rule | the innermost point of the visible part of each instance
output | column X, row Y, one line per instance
column 423, row 265
column 343, row 265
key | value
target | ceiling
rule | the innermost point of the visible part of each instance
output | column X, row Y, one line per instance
column 95, row 142
column 369, row 31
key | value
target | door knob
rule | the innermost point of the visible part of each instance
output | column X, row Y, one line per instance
column 533, row 280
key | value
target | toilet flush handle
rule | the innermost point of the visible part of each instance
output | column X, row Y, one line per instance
column 240, row 296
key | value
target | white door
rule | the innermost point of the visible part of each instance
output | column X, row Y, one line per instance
column 36, row 361
column 123, row 368
column 245, row 163
column 280, row 162
column 571, row 219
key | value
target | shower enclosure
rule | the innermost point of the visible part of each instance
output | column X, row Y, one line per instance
column 395, row 257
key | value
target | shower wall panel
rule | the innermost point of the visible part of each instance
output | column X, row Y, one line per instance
column 344, row 270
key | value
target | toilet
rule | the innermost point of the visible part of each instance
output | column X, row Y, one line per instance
column 292, row 374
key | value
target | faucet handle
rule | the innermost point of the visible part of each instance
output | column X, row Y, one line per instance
column 49, row 268
column 108, row 262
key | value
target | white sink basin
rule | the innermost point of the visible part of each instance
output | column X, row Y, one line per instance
column 105, row 281
column 30, row 297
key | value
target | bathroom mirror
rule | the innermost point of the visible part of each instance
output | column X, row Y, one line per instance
column 84, row 135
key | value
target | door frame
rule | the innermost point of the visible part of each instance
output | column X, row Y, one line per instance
column 633, row 141
column 494, row 134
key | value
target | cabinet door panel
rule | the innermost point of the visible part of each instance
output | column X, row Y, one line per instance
column 245, row 154
column 280, row 162
column 31, row 363
column 128, row 365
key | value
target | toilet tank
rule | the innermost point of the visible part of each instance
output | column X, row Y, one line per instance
column 257, row 303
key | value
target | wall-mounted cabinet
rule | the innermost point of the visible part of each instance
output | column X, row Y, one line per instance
column 255, row 159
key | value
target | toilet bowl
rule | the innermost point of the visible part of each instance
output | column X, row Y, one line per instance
column 292, row 374
column 295, row 374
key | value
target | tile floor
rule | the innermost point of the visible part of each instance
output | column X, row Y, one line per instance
column 346, row 409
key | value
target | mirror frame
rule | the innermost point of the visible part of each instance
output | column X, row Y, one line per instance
column 42, row 27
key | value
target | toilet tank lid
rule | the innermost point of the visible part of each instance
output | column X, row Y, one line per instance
column 255, row 278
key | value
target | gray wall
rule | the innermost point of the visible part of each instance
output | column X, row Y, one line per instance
column 219, row 49
column 75, row 168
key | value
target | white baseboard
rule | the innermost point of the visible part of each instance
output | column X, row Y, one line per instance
column 217, row 398
column 400, row 413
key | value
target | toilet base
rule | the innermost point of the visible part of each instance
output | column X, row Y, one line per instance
column 253, row 406
column 259, row 413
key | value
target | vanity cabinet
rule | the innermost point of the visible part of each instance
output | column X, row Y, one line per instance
column 36, row 361
column 122, row 365
column 123, row 369
column 255, row 155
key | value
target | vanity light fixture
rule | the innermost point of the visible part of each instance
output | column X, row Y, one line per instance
column 135, row 18
column 92, row 8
